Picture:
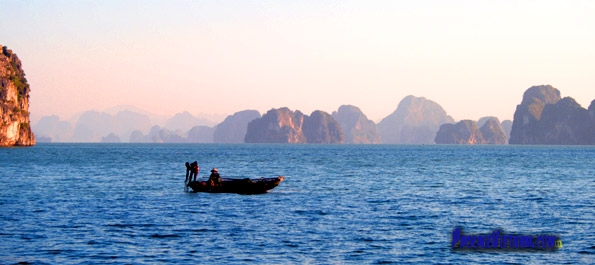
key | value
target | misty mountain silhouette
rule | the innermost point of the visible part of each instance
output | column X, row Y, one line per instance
column 542, row 118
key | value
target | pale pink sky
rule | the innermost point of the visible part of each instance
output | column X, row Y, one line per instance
column 474, row 58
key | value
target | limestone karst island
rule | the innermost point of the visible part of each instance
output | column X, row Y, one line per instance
column 542, row 118
column 15, row 129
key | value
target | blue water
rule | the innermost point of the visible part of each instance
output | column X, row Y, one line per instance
column 372, row 204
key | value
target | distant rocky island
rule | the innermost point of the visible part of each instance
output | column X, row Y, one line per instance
column 286, row 126
column 123, row 126
column 415, row 121
column 357, row 128
column 15, row 129
column 468, row 132
column 543, row 117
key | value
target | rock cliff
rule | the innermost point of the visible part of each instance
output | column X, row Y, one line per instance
column 492, row 131
column 233, row 129
column 415, row 121
column 15, row 127
column 525, row 123
column 463, row 132
column 277, row 126
column 544, row 118
column 286, row 126
column 321, row 128
column 565, row 122
column 467, row 132
column 357, row 128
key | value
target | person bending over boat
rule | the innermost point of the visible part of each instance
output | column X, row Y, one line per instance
column 214, row 179
column 191, row 171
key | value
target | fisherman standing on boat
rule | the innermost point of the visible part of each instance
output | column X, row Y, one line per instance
column 191, row 171
column 214, row 179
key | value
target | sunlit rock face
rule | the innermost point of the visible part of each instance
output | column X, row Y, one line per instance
column 286, row 126
column 277, row 126
column 15, row 128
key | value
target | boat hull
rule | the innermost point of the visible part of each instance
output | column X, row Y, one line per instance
column 239, row 186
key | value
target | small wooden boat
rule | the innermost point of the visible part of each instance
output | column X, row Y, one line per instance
column 239, row 186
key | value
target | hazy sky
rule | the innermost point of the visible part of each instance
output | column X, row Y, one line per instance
column 474, row 58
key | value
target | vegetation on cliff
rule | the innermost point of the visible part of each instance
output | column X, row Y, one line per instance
column 15, row 128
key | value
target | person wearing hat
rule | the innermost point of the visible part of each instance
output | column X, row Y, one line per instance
column 214, row 179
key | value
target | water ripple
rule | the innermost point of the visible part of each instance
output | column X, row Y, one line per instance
column 124, row 204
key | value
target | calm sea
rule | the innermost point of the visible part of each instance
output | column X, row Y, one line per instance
column 339, row 204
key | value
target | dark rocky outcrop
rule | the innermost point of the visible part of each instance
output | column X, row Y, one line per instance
column 544, row 118
column 233, row 129
column 467, row 132
column 357, row 128
column 321, row 128
column 15, row 126
column 286, row 126
column 463, row 132
column 492, row 131
column 525, row 125
column 415, row 121
column 565, row 122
